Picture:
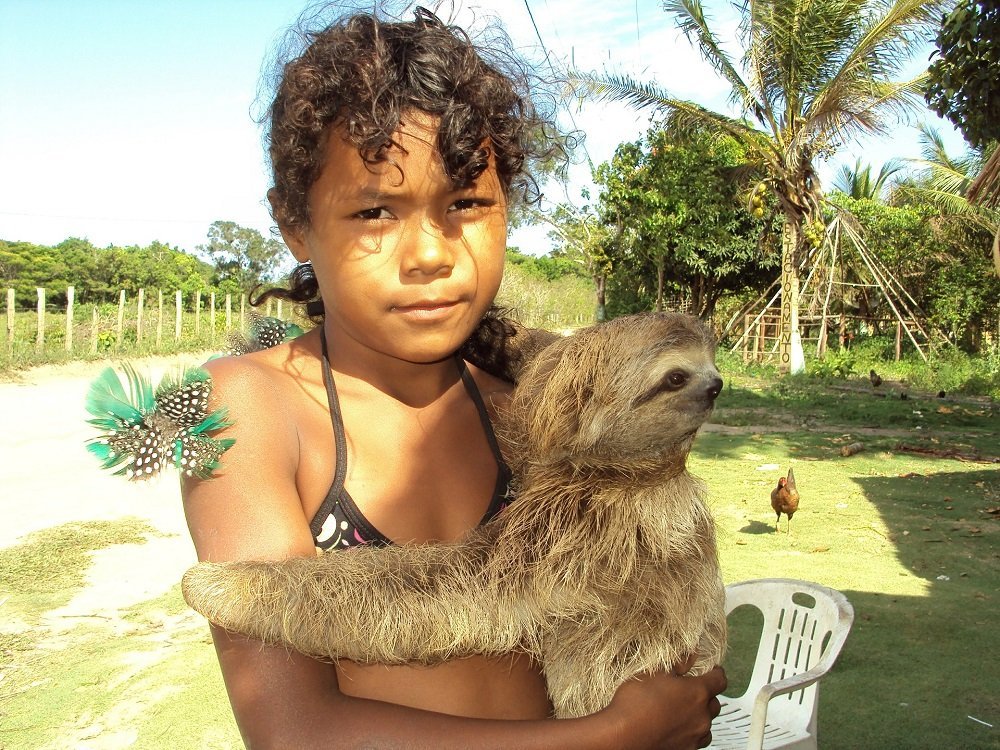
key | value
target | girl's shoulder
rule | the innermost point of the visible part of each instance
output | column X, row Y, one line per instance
column 495, row 391
column 266, row 384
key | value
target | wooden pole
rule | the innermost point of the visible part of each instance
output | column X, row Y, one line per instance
column 267, row 310
column 40, row 330
column 789, row 321
column 159, row 318
column 899, row 340
column 178, row 310
column 70, row 293
column 279, row 309
column 94, row 330
column 10, row 321
column 197, row 313
column 138, row 318
column 121, row 319
column 747, row 322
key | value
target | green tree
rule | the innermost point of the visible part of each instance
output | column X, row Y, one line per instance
column 98, row 274
column 945, row 182
column 584, row 241
column 681, row 219
column 964, row 79
column 859, row 182
column 242, row 255
column 815, row 73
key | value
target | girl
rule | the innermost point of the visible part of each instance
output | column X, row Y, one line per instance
column 396, row 148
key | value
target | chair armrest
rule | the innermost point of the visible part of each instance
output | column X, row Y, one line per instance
column 758, row 716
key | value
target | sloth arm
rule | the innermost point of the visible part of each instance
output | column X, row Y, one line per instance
column 251, row 510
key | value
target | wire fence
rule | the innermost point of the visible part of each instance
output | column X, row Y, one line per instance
column 149, row 322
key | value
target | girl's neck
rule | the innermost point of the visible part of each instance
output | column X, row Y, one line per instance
column 413, row 384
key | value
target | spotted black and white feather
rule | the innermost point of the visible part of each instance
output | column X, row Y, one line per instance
column 145, row 430
column 264, row 332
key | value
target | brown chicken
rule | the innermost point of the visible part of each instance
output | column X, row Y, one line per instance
column 785, row 499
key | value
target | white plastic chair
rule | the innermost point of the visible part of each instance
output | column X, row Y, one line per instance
column 805, row 626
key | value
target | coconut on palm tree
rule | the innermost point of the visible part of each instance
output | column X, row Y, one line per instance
column 814, row 74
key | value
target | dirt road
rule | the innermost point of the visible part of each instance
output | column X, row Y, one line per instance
column 47, row 478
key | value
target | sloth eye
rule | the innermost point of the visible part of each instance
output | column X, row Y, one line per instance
column 675, row 379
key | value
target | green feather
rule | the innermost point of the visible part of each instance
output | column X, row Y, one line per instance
column 108, row 402
column 216, row 420
column 140, row 389
column 146, row 429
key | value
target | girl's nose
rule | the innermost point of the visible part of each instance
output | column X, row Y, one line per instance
column 428, row 251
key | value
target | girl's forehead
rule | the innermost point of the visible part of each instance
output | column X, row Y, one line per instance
column 413, row 156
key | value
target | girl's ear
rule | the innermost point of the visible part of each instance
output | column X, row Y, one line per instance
column 293, row 236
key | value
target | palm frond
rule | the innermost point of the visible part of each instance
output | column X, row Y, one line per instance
column 947, row 202
column 885, row 39
column 644, row 95
column 859, row 182
column 692, row 21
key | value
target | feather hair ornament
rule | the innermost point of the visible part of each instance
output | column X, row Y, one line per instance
column 264, row 332
column 145, row 430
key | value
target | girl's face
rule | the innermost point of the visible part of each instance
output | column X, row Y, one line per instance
column 407, row 264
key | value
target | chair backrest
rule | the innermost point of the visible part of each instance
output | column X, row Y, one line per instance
column 805, row 626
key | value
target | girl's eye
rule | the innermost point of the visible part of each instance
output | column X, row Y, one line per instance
column 467, row 204
column 373, row 214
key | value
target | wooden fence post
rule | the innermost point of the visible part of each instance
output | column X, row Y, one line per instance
column 899, row 340
column 40, row 331
column 121, row 320
column 10, row 321
column 279, row 309
column 229, row 311
column 177, row 315
column 211, row 317
column 138, row 319
column 70, row 293
column 94, row 330
column 197, row 313
column 267, row 310
column 159, row 318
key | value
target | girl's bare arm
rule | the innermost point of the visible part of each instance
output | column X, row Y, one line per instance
column 282, row 699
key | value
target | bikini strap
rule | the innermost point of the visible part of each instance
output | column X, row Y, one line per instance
column 339, row 438
column 473, row 390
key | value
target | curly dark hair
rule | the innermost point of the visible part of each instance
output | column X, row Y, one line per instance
column 361, row 74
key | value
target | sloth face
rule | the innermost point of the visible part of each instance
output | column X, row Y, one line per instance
column 630, row 389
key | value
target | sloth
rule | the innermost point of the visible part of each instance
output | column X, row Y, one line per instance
column 603, row 567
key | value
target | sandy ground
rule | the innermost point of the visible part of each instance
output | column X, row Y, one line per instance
column 47, row 478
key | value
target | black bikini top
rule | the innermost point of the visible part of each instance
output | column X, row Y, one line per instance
column 339, row 523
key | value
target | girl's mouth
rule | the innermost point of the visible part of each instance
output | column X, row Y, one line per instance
column 426, row 310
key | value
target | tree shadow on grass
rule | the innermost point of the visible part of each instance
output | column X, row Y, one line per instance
column 918, row 670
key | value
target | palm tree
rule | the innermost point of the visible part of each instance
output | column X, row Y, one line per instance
column 857, row 181
column 814, row 74
column 946, row 182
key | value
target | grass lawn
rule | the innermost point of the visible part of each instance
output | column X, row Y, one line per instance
column 907, row 528
column 910, row 538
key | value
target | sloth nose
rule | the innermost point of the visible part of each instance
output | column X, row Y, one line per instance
column 714, row 388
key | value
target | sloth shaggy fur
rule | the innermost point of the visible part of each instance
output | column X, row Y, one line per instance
column 604, row 567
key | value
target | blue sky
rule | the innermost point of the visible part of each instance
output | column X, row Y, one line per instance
column 126, row 122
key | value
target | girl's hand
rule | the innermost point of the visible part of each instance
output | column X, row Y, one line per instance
column 667, row 710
